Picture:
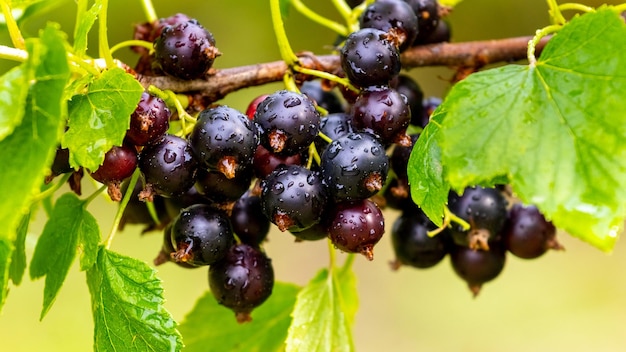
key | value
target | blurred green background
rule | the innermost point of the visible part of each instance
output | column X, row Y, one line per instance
column 565, row 301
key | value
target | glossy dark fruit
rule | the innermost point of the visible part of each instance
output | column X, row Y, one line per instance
column 353, row 3
column 119, row 163
column 288, row 122
column 168, row 166
column 223, row 139
column 242, row 281
column 484, row 209
column 477, row 267
column 356, row 226
column 333, row 126
column 249, row 223
column 165, row 253
column 354, row 167
column 149, row 121
column 201, row 235
column 369, row 57
column 527, row 233
column 414, row 94
column 173, row 205
column 265, row 162
column 61, row 163
column 397, row 194
column 323, row 97
column 392, row 15
column 413, row 246
column 185, row 50
column 216, row 187
column 293, row 197
column 427, row 12
column 383, row 112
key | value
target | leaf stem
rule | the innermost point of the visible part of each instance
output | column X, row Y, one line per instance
column 153, row 213
column 14, row 31
column 448, row 218
column 532, row 44
column 103, row 39
column 286, row 53
column 331, row 255
column 347, row 265
column 575, row 7
column 171, row 99
column 321, row 20
column 141, row 43
column 313, row 155
column 555, row 13
column 83, row 64
column 148, row 9
column 9, row 53
column 94, row 195
column 122, row 207
column 344, row 10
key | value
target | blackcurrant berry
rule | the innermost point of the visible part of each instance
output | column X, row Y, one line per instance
column 333, row 126
column 224, row 140
column 384, row 112
column 354, row 167
column 369, row 57
column 288, row 122
column 293, row 197
column 527, row 233
column 216, row 187
column 149, row 121
column 165, row 253
column 408, row 87
column 242, row 280
column 265, row 162
column 185, row 50
column 427, row 12
column 249, row 223
column 322, row 96
column 477, row 267
column 201, row 235
column 392, row 16
column 119, row 164
column 413, row 246
column 168, row 167
column 356, row 226
column 484, row 209
column 136, row 211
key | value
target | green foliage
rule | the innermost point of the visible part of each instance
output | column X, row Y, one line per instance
column 86, row 18
column 41, row 127
column 212, row 327
column 18, row 259
column 127, row 306
column 99, row 118
column 13, row 90
column 549, row 129
column 70, row 226
column 324, row 313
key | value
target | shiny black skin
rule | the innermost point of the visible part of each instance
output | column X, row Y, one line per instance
column 392, row 14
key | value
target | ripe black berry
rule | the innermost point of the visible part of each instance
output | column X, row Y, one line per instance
column 369, row 57
column 477, row 267
column 216, row 187
column 383, row 112
column 322, row 96
column 119, row 164
column 355, row 227
column 354, row 167
column 249, row 223
column 201, row 235
column 149, row 121
column 427, row 12
column 408, row 87
column 392, row 15
column 527, row 233
column 293, row 197
column 185, row 50
column 484, row 209
column 413, row 246
column 265, row 162
column 288, row 122
column 242, row 280
column 168, row 167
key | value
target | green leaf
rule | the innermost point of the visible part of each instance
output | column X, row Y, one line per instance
column 86, row 19
column 429, row 188
column 98, row 120
column 29, row 150
column 13, row 91
column 18, row 260
column 127, row 305
column 555, row 130
column 324, row 313
column 285, row 6
column 69, row 226
column 266, row 332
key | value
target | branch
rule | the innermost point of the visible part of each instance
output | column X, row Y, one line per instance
column 222, row 82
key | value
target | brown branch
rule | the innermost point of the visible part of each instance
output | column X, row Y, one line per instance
column 456, row 55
